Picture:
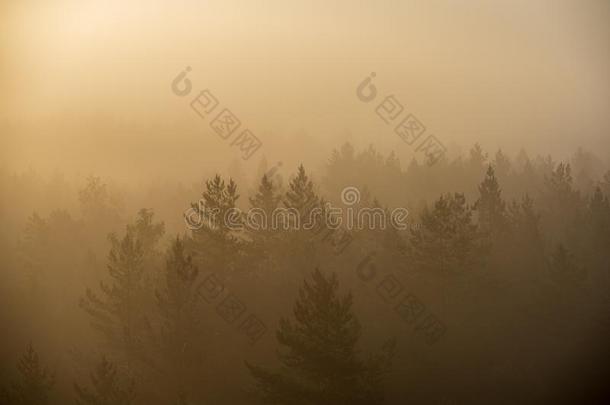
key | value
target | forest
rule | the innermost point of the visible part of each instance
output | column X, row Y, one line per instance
column 497, row 292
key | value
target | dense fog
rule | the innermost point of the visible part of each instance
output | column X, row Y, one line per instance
column 304, row 202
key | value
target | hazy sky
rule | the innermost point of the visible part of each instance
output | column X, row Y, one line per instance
column 86, row 85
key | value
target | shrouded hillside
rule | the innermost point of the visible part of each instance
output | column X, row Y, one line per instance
column 493, row 286
column 320, row 202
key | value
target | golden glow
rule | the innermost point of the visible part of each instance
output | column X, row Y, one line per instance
column 496, row 72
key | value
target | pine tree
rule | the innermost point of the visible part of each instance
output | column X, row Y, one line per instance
column 560, row 182
column 605, row 183
column 563, row 206
column 266, row 197
column 490, row 206
column 218, row 198
column 477, row 156
column 181, row 328
column 446, row 240
column 313, row 215
column 301, row 195
column 146, row 231
column 477, row 160
column 35, row 384
column 524, row 223
column 178, row 297
column 502, row 164
column 524, row 242
column 598, row 229
column 584, row 165
column 117, row 310
column 563, row 269
column 214, row 243
column 262, row 232
column 299, row 201
column 599, row 214
column 339, row 164
column 107, row 388
column 319, row 356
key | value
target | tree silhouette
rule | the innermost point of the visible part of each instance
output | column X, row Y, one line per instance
column 265, row 198
column 178, row 298
column 304, row 207
column 213, row 243
column 490, row 206
column 563, row 208
column 262, row 232
column 107, row 388
column 218, row 198
column 599, row 218
column 605, row 183
column 320, row 359
column 526, row 243
column 181, row 330
column 563, row 269
column 146, row 231
column 447, row 239
column 117, row 310
column 301, row 194
column 501, row 164
column 35, row 382
column 477, row 156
